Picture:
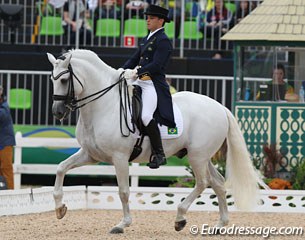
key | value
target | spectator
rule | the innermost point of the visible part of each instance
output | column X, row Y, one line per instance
column 135, row 9
column 244, row 8
column 7, row 141
column 71, row 24
column 108, row 9
column 217, row 23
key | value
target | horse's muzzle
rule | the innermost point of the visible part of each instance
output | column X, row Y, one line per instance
column 59, row 110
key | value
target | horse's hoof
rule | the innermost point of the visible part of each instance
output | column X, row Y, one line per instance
column 116, row 230
column 180, row 225
column 61, row 211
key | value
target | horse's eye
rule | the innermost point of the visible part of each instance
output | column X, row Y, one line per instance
column 64, row 80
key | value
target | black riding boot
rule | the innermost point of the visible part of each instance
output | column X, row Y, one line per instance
column 158, row 156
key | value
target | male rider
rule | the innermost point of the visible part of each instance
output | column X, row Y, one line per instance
column 147, row 68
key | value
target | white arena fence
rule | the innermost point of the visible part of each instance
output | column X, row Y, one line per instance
column 37, row 200
column 135, row 170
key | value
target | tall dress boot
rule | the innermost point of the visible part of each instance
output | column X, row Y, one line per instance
column 158, row 156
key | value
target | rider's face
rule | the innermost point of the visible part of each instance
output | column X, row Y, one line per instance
column 153, row 22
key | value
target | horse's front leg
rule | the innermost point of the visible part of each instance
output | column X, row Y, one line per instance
column 76, row 160
column 122, row 174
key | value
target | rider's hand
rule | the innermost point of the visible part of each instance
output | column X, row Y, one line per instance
column 131, row 74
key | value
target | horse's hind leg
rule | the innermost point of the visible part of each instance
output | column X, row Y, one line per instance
column 217, row 182
column 199, row 167
column 76, row 160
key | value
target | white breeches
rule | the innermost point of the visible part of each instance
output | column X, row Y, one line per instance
column 149, row 99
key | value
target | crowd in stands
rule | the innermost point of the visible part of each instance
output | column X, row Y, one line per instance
column 213, row 18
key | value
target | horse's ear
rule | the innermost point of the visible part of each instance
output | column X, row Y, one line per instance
column 66, row 61
column 51, row 58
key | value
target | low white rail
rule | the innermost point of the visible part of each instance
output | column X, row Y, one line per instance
column 134, row 170
column 25, row 201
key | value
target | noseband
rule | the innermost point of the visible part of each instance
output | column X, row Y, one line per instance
column 70, row 100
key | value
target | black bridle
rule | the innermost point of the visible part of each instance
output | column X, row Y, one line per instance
column 71, row 102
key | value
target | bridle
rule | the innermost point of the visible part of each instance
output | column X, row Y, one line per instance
column 70, row 100
column 72, row 103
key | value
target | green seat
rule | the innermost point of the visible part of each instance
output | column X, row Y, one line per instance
column 135, row 27
column 107, row 28
column 190, row 31
column 230, row 6
column 20, row 98
column 169, row 29
column 51, row 26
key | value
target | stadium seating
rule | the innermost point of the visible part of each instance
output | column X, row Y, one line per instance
column 20, row 98
column 169, row 29
column 190, row 31
column 135, row 27
column 108, row 28
column 51, row 26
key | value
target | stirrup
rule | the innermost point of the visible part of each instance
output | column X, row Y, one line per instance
column 156, row 161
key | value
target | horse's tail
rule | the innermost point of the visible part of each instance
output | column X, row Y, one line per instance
column 241, row 177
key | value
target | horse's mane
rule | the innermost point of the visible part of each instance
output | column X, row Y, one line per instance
column 89, row 56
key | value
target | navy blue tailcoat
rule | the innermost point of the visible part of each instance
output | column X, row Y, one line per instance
column 153, row 56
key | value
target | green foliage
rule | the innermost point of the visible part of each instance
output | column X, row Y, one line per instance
column 218, row 160
column 273, row 157
column 299, row 183
column 220, row 163
column 188, row 182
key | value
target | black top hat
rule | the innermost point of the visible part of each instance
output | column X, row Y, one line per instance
column 158, row 11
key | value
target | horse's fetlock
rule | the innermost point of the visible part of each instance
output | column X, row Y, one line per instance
column 181, row 209
column 57, row 194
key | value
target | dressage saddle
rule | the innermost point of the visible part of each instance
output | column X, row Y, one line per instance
column 157, row 157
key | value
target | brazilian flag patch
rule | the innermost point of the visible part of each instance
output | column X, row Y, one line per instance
column 172, row 131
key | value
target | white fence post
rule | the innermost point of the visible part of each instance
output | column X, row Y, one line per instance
column 17, row 160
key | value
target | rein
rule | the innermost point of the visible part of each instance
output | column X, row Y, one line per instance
column 72, row 103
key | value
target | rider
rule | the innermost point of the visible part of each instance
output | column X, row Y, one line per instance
column 147, row 67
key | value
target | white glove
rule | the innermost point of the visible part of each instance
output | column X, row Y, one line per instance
column 131, row 74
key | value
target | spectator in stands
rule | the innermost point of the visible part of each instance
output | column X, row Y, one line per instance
column 244, row 8
column 135, row 9
column 7, row 141
column 217, row 23
column 71, row 24
column 108, row 9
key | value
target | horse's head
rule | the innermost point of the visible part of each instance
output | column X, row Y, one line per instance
column 65, row 88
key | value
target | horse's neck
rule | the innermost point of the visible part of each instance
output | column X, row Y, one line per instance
column 105, row 108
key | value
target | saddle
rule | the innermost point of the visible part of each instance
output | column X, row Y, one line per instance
column 137, row 106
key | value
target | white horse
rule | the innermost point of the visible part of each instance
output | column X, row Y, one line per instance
column 207, row 124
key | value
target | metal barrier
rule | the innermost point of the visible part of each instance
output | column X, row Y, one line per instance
column 40, row 87
column 41, row 24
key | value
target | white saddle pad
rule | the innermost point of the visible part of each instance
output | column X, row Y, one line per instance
column 170, row 133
